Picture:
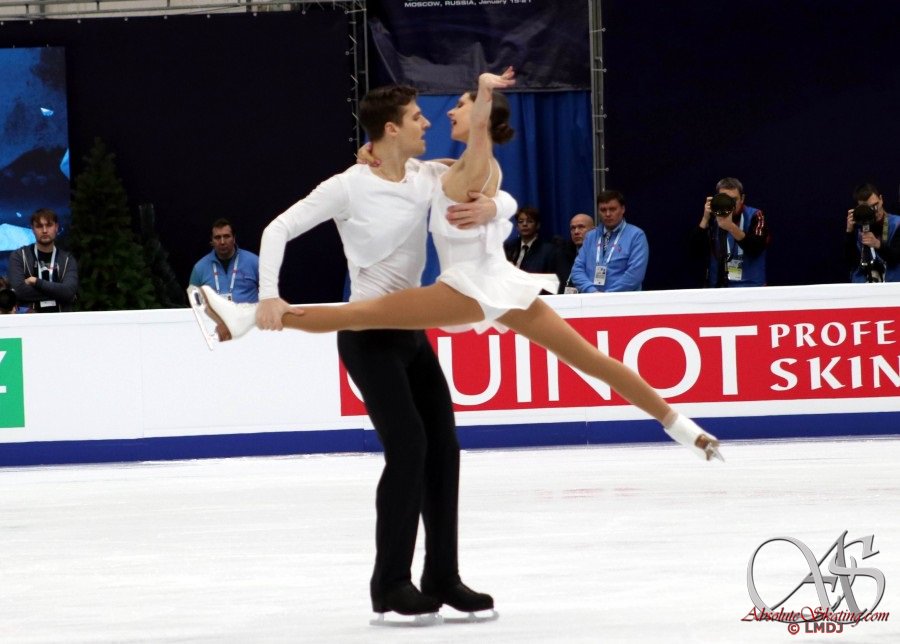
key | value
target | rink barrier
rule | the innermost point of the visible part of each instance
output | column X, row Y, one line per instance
column 474, row 437
column 786, row 362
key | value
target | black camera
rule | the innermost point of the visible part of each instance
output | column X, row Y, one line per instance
column 864, row 216
column 722, row 205
column 872, row 268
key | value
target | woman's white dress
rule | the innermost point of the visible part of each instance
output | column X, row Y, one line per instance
column 473, row 263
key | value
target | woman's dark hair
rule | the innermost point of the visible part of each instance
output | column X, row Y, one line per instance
column 501, row 132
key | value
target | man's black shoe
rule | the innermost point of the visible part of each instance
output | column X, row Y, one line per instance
column 459, row 596
column 406, row 600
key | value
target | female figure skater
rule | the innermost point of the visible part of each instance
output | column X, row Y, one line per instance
column 478, row 288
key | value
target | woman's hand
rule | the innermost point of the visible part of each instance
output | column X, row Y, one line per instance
column 364, row 155
column 493, row 81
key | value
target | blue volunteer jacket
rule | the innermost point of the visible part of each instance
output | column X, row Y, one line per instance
column 246, row 280
column 754, row 266
column 625, row 259
column 892, row 273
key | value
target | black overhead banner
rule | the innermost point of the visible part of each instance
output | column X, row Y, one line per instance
column 440, row 46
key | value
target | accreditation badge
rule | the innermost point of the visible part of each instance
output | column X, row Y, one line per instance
column 600, row 276
column 735, row 270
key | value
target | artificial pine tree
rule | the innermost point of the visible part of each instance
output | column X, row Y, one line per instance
column 169, row 291
column 112, row 273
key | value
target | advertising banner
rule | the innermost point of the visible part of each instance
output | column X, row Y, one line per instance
column 770, row 362
column 780, row 359
column 440, row 46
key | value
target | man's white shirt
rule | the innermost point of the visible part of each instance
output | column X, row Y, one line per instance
column 382, row 225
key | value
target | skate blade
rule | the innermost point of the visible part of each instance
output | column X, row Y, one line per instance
column 198, row 306
column 708, row 447
column 407, row 621
column 473, row 618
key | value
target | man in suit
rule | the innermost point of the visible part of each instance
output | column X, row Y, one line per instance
column 529, row 252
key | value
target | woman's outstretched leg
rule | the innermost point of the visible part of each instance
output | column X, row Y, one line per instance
column 416, row 308
column 541, row 324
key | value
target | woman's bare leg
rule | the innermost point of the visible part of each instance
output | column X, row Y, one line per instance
column 541, row 324
column 415, row 308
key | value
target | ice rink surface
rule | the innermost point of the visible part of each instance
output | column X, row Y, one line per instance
column 582, row 544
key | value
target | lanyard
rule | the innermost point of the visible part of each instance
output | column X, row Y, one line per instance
column 215, row 265
column 612, row 246
column 37, row 260
column 731, row 242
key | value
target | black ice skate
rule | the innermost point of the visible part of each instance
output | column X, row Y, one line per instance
column 417, row 608
column 478, row 607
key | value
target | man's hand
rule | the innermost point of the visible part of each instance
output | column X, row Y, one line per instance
column 870, row 240
column 31, row 281
column 850, row 223
column 472, row 213
column 270, row 312
column 223, row 333
column 707, row 213
column 727, row 224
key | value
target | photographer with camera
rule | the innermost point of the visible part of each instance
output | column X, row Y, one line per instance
column 872, row 245
column 733, row 237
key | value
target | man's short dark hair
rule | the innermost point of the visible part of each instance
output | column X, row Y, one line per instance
column 863, row 191
column 606, row 196
column 221, row 223
column 384, row 105
column 531, row 212
column 730, row 183
column 43, row 213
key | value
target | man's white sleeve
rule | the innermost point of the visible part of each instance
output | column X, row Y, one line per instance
column 328, row 201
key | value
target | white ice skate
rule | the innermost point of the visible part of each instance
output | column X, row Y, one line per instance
column 689, row 434
column 237, row 318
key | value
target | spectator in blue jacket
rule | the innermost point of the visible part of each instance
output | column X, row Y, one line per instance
column 233, row 272
column 872, row 247
column 614, row 255
column 733, row 237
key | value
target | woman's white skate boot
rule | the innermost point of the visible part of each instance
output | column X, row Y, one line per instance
column 237, row 318
column 689, row 434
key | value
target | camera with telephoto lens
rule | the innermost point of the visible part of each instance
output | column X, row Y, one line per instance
column 872, row 268
column 864, row 216
column 722, row 205
column 870, row 264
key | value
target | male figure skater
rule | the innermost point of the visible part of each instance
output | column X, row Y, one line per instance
column 381, row 214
